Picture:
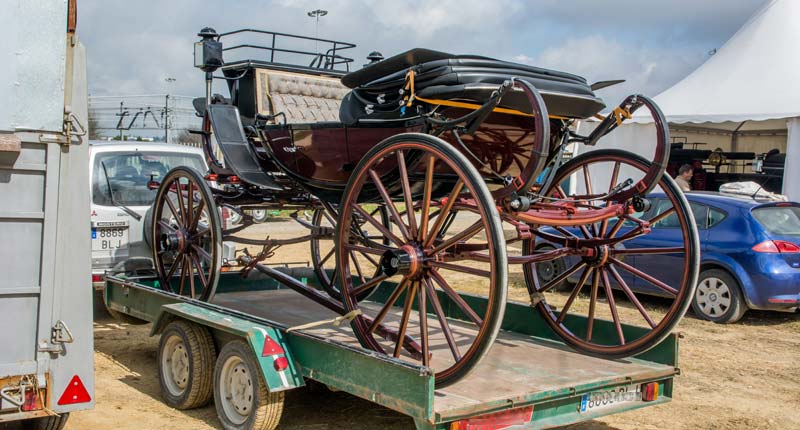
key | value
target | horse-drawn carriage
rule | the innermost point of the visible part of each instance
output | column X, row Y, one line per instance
column 432, row 178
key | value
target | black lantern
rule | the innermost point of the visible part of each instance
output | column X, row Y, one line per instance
column 208, row 51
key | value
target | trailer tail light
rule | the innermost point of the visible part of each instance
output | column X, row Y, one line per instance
column 31, row 402
column 280, row 363
column 97, row 278
column 212, row 177
column 777, row 247
column 495, row 421
column 75, row 393
column 225, row 215
column 270, row 347
column 650, row 392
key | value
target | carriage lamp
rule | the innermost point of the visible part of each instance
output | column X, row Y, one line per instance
column 208, row 51
column 373, row 58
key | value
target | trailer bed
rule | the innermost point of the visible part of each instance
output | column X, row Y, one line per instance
column 527, row 369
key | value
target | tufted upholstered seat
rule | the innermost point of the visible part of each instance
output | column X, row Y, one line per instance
column 304, row 98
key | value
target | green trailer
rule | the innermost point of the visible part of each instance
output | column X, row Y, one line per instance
column 257, row 339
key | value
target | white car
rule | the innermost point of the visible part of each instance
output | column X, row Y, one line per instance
column 120, row 173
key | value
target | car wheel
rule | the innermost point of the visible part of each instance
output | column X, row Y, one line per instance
column 546, row 271
column 259, row 215
column 718, row 297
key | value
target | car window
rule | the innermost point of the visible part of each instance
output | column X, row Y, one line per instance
column 671, row 221
column 715, row 216
column 779, row 220
column 129, row 173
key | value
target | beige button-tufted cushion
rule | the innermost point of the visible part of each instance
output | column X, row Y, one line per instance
column 303, row 98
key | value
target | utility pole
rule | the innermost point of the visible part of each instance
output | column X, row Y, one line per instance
column 168, row 80
column 317, row 14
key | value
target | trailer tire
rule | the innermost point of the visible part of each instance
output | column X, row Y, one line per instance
column 186, row 365
column 52, row 422
column 240, row 393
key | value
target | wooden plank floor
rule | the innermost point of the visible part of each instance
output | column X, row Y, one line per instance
column 517, row 366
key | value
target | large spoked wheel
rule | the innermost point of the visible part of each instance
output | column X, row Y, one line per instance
column 323, row 250
column 419, row 179
column 187, row 236
column 617, row 260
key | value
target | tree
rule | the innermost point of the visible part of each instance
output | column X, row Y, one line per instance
column 186, row 138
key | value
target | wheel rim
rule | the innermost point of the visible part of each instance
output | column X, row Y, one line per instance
column 549, row 270
column 593, row 295
column 259, row 215
column 713, row 297
column 186, row 235
column 415, row 259
column 236, row 390
column 175, row 365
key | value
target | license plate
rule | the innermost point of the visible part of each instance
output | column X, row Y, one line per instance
column 611, row 397
column 109, row 238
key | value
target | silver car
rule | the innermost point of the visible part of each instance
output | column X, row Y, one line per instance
column 120, row 173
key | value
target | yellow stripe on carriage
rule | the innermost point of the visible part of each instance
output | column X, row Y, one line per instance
column 465, row 105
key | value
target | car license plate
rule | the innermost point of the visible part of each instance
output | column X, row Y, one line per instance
column 109, row 238
column 611, row 397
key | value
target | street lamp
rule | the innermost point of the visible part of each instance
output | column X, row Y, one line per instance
column 316, row 14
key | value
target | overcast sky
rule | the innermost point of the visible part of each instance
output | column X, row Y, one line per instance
column 134, row 46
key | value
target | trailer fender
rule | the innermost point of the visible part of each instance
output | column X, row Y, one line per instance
column 269, row 344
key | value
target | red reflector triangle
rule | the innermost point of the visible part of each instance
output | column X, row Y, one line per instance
column 75, row 393
column 270, row 347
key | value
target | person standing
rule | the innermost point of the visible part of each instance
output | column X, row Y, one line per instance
column 684, row 177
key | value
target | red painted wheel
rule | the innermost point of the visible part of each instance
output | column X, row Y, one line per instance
column 419, row 179
column 608, row 258
column 187, row 235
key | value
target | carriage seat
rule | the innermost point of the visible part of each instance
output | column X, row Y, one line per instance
column 303, row 98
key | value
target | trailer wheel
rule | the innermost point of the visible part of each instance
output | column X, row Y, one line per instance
column 186, row 365
column 52, row 422
column 240, row 393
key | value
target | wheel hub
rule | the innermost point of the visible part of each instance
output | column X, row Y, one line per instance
column 406, row 260
column 176, row 241
column 598, row 257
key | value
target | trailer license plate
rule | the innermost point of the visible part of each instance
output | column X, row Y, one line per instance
column 608, row 398
column 109, row 238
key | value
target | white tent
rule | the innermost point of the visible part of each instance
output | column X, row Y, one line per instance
column 745, row 97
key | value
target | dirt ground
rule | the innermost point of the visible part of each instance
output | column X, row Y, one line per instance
column 739, row 376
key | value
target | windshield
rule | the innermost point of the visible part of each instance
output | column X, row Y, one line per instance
column 779, row 220
column 129, row 172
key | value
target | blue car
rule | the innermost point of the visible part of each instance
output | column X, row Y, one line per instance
column 750, row 257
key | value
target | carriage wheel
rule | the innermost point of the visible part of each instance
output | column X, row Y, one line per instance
column 604, row 289
column 419, row 179
column 187, row 235
column 323, row 250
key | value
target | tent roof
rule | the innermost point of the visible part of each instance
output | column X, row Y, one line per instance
column 752, row 77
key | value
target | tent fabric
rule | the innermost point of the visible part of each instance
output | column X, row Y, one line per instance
column 791, row 177
column 752, row 77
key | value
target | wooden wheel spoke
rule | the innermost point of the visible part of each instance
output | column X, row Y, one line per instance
column 198, row 212
column 375, row 223
column 370, row 259
column 388, row 305
column 174, row 266
column 200, row 271
column 327, row 256
column 366, row 286
column 636, row 272
column 614, row 176
column 465, row 234
column 426, row 200
column 401, row 333
column 387, row 200
column 574, row 294
column 661, row 216
column 448, row 206
column 363, row 249
column 191, row 277
column 631, row 296
column 456, row 298
column 616, row 227
column 172, row 209
column 202, row 252
column 592, row 305
column 328, row 217
column 423, row 324
column 563, row 276
column 357, row 267
column 165, row 225
column 412, row 218
column 190, row 203
column 462, row 269
column 181, row 205
column 612, row 305
column 183, row 278
column 437, row 309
